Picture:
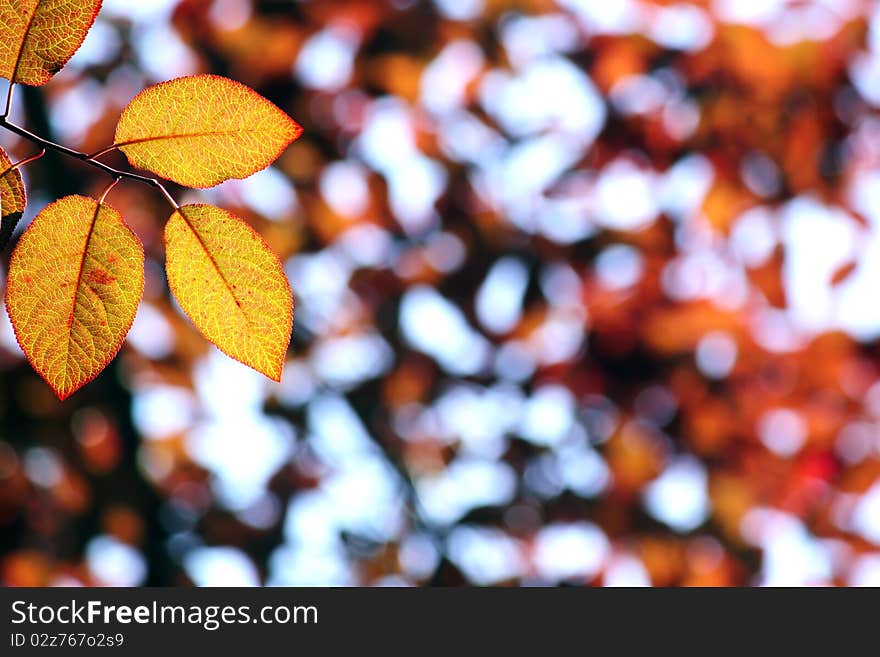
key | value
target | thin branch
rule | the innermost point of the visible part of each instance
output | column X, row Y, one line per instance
column 26, row 160
column 83, row 157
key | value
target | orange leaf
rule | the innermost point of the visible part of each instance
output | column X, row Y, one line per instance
column 37, row 37
column 75, row 280
column 201, row 130
column 231, row 285
column 12, row 198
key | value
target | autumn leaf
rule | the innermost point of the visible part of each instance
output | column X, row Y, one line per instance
column 228, row 281
column 37, row 37
column 199, row 131
column 75, row 280
column 12, row 198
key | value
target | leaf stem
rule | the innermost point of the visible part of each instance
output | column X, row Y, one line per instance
column 107, row 191
column 8, row 99
column 26, row 160
column 101, row 152
column 84, row 157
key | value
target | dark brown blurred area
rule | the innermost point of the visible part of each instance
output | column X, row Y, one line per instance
column 585, row 293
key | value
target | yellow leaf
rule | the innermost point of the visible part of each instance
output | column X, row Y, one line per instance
column 37, row 37
column 231, row 285
column 201, row 130
column 75, row 280
column 12, row 198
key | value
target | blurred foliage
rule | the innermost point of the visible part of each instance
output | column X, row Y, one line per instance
column 584, row 294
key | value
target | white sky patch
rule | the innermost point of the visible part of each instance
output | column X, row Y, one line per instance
column 100, row 48
column 550, row 94
column 337, row 433
column 818, row 241
column 638, row 94
column 582, row 470
column 866, row 515
column 464, row 137
column 303, row 565
column 150, row 333
column 548, row 415
column 625, row 196
column 783, row 431
column 681, row 190
column 754, row 237
column 527, row 38
column 865, row 571
column 418, row 556
column 499, row 298
column 74, row 111
column 220, row 566
column 748, row 12
column 366, row 245
column 415, row 182
column 864, row 71
column 679, row 496
column 243, row 466
column 365, row 499
column 230, row 15
column 161, row 411
column 716, row 354
column 114, row 563
column 145, row 10
column 445, row 80
column 326, row 59
column 465, row 484
column 478, row 417
column 792, row 556
column 43, row 466
column 460, row 10
column 626, row 570
column 267, row 192
column 350, row 359
column 437, row 327
column 344, row 186
column 619, row 266
column 559, row 337
column 323, row 298
column 7, row 336
column 485, row 556
column 599, row 16
column 161, row 52
column 231, row 396
column 568, row 551
column 517, row 177
column 310, row 521
column 682, row 27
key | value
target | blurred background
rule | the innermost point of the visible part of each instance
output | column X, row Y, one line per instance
column 586, row 292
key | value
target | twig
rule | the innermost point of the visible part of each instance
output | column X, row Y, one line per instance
column 84, row 157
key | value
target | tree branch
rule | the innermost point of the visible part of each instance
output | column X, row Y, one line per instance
column 84, row 157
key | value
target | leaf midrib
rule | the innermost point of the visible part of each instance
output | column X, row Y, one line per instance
column 207, row 133
column 216, row 266
column 76, row 289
